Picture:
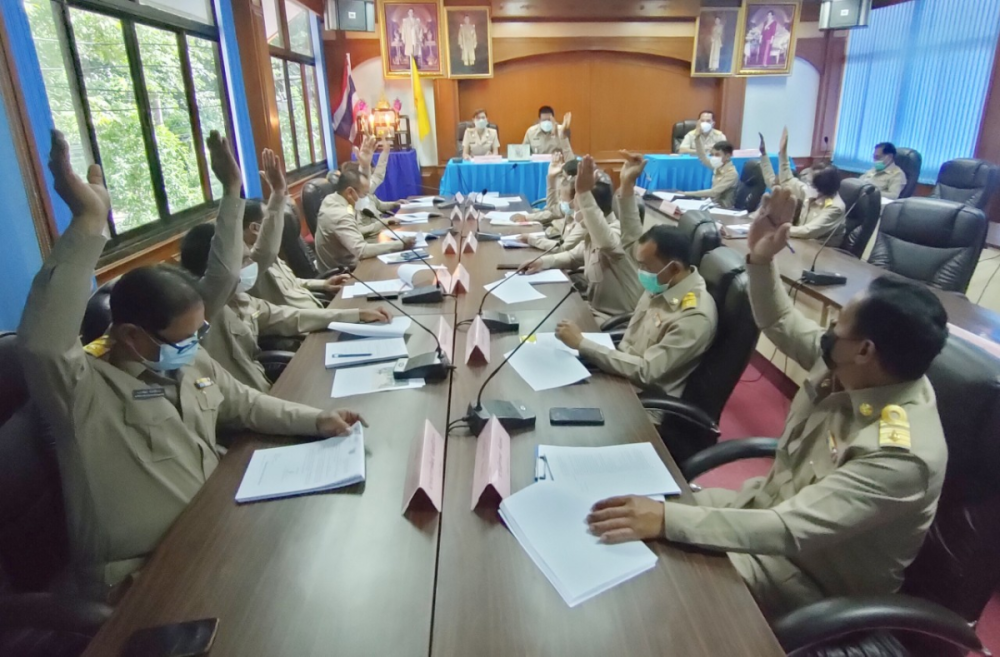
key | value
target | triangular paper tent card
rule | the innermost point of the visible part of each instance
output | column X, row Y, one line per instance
column 425, row 471
column 477, row 343
column 491, row 477
column 450, row 246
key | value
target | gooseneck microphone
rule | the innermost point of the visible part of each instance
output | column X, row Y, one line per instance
column 425, row 294
column 498, row 322
column 819, row 278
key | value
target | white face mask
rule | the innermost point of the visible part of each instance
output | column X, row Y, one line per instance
column 716, row 161
column 706, row 127
column 363, row 204
column 248, row 277
column 480, row 124
column 546, row 126
column 565, row 208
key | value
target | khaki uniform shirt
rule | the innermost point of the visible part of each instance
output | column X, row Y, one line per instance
column 724, row 181
column 707, row 141
column 475, row 143
column 572, row 234
column 890, row 181
column 134, row 446
column 665, row 338
column 339, row 241
column 853, row 489
column 546, row 143
column 551, row 213
column 279, row 285
column 819, row 216
column 606, row 257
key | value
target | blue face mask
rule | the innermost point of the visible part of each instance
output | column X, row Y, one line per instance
column 565, row 208
column 174, row 356
column 649, row 281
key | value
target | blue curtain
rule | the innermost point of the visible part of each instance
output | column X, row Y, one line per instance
column 918, row 77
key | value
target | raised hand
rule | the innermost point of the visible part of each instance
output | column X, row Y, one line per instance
column 783, row 144
column 88, row 200
column 586, row 175
column 556, row 164
column 367, row 152
column 763, row 146
column 768, row 233
column 273, row 173
column 632, row 169
column 224, row 164
column 567, row 120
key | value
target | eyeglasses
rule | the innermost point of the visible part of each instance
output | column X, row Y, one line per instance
column 187, row 343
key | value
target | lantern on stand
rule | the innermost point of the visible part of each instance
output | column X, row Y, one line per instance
column 385, row 121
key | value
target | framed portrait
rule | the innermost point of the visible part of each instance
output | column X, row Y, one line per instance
column 411, row 29
column 767, row 40
column 715, row 42
column 470, row 42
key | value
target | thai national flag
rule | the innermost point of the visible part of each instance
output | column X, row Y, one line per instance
column 343, row 115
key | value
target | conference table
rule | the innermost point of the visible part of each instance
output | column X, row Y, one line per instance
column 685, row 173
column 349, row 573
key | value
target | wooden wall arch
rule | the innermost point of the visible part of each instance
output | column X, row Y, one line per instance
column 513, row 48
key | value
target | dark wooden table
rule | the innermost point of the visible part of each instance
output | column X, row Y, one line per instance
column 347, row 573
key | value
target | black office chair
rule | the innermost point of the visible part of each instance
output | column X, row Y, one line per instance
column 910, row 162
column 34, row 548
column 863, row 218
column 460, row 134
column 300, row 257
column 930, row 240
column 681, row 128
column 956, row 571
column 703, row 232
column 750, row 189
column 313, row 194
column 97, row 316
column 967, row 181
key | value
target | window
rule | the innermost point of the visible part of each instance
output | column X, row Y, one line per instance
column 918, row 77
column 295, row 84
column 137, row 89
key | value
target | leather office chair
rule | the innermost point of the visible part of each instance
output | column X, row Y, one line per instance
column 861, row 222
column 97, row 317
column 703, row 232
column 34, row 547
column 957, row 569
column 313, row 193
column 300, row 257
column 930, row 240
column 968, row 181
column 910, row 162
column 681, row 128
column 750, row 189
column 460, row 134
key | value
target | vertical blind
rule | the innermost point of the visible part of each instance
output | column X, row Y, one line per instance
column 918, row 77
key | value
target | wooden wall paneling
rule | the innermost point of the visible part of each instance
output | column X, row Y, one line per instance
column 255, row 58
column 828, row 103
column 446, row 117
column 584, row 10
column 733, row 94
column 506, row 49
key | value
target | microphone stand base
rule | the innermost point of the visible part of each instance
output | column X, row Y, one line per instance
column 499, row 322
column 511, row 415
column 426, row 294
column 428, row 367
column 823, row 278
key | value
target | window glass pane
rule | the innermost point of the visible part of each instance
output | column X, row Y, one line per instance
column 299, row 109
column 272, row 23
column 168, row 105
column 113, row 109
column 299, row 28
column 204, row 56
column 195, row 10
column 317, row 117
column 287, row 146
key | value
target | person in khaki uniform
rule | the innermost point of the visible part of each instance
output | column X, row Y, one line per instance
column 606, row 250
column 859, row 468
column 134, row 415
column 376, row 206
column 822, row 210
column 888, row 178
column 724, row 175
column 704, row 133
column 673, row 324
column 480, row 139
column 545, row 137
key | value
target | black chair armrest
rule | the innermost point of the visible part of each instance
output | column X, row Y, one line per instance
column 540, row 203
column 617, row 336
column 684, row 428
column 675, row 406
column 279, row 343
column 49, row 612
column 727, row 452
column 274, row 363
column 616, row 322
column 833, row 618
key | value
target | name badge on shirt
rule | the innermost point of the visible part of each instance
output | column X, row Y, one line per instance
column 201, row 384
column 148, row 393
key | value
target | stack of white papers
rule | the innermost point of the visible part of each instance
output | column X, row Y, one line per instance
column 394, row 329
column 664, row 196
column 512, row 242
column 544, row 368
column 495, row 196
column 369, row 378
column 394, row 286
column 498, row 218
column 735, row 231
column 548, row 520
column 542, row 277
column 359, row 352
column 686, row 204
column 309, row 468
column 410, row 206
column 404, row 256
column 602, row 472
column 550, row 341
column 421, row 238
column 516, row 291
column 414, row 218
column 729, row 213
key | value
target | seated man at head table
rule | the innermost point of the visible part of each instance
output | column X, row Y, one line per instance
column 339, row 240
column 859, row 469
column 725, row 177
column 480, row 139
column 821, row 213
column 888, row 178
column 545, row 137
column 673, row 324
column 242, row 319
column 704, row 132
column 606, row 252
column 134, row 415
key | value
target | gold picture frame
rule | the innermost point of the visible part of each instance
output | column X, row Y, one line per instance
column 408, row 29
column 767, row 39
column 716, row 34
column 464, row 63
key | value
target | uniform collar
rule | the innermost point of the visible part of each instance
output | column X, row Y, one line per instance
column 674, row 295
column 866, row 404
column 337, row 199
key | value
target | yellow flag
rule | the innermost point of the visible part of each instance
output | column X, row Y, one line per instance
column 423, row 120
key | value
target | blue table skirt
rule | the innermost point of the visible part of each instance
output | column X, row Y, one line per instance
column 684, row 172
column 526, row 178
column 402, row 177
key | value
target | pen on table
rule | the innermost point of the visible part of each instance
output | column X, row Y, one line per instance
column 349, row 355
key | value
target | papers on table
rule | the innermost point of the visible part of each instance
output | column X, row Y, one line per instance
column 735, row 231
column 394, row 286
column 408, row 271
column 498, row 218
column 544, row 276
column 492, row 197
column 544, row 368
column 550, row 341
column 421, row 238
column 516, row 291
column 411, row 206
column 394, row 329
column 414, row 218
column 512, row 242
column 729, row 213
column 497, row 203
column 404, row 256
column 369, row 378
column 548, row 520
column 309, row 468
column 603, row 472
column 359, row 352
column 664, row 196
column 686, row 204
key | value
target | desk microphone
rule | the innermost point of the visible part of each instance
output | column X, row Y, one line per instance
column 498, row 322
column 432, row 366
column 425, row 294
column 511, row 415
column 813, row 277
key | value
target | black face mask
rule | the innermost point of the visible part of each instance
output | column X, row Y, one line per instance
column 826, row 343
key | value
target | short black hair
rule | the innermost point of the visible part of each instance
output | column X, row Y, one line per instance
column 195, row 247
column 350, row 177
column 478, row 112
column 571, row 167
column 906, row 322
column 827, row 181
column 671, row 243
column 152, row 297
column 604, row 195
column 723, row 146
column 707, row 112
column 887, row 148
column 253, row 212
column 545, row 109
column 350, row 165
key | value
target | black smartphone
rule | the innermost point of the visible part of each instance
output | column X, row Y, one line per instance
column 187, row 639
column 576, row 417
